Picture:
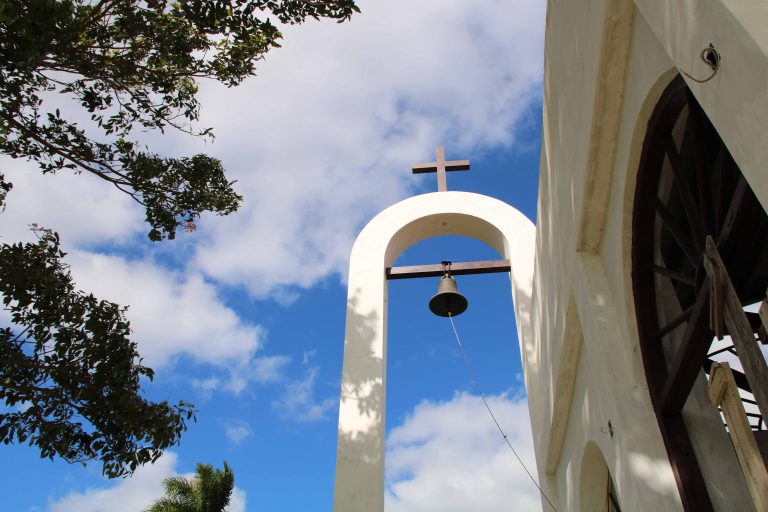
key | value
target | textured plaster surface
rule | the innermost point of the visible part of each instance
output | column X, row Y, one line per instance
column 595, row 277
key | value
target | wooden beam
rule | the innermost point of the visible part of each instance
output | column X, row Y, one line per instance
column 457, row 269
column 763, row 312
column 724, row 393
column 742, row 334
column 735, row 212
column 689, row 357
column 740, row 378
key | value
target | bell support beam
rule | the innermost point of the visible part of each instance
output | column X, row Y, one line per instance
column 457, row 269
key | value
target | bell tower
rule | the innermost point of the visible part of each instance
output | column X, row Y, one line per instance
column 359, row 484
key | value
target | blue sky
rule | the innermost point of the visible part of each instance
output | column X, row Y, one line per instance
column 245, row 316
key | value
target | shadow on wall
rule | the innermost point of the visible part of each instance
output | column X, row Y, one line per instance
column 363, row 379
column 362, row 386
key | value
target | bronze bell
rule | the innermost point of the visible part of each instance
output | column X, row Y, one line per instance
column 448, row 301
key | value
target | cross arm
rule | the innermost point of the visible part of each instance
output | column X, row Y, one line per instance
column 452, row 165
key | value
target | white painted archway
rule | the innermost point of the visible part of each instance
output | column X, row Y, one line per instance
column 359, row 482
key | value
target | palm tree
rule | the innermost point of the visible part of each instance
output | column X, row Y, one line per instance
column 208, row 491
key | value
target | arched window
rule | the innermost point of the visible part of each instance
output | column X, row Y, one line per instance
column 689, row 187
column 597, row 491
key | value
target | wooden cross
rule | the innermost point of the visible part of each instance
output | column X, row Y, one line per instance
column 441, row 166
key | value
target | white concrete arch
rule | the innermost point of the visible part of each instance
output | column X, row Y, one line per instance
column 359, row 482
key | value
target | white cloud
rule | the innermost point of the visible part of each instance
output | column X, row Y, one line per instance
column 133, row 494
column 208, row 385
column 307, row 355
column 449, row 456
column 320, row 141
column 237, row 431
column 324, row 137
column 237, row 502
column 171, row 312
column 240, row 373
column 260, row 370
column 128, row 495
column 298, row 401
column 81, row 208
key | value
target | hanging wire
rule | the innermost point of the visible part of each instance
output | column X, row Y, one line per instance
column 711, row 58
column 479, row 391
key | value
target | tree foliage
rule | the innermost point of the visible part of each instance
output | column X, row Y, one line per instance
column 70, row 379
column 208, row 491
column 69, row 374
column 131, row 63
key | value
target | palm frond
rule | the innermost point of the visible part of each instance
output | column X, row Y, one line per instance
column 209, row 490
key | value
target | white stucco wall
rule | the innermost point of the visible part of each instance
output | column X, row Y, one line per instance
column 585, row 211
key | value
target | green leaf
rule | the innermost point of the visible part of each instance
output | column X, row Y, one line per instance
column 87, row 351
